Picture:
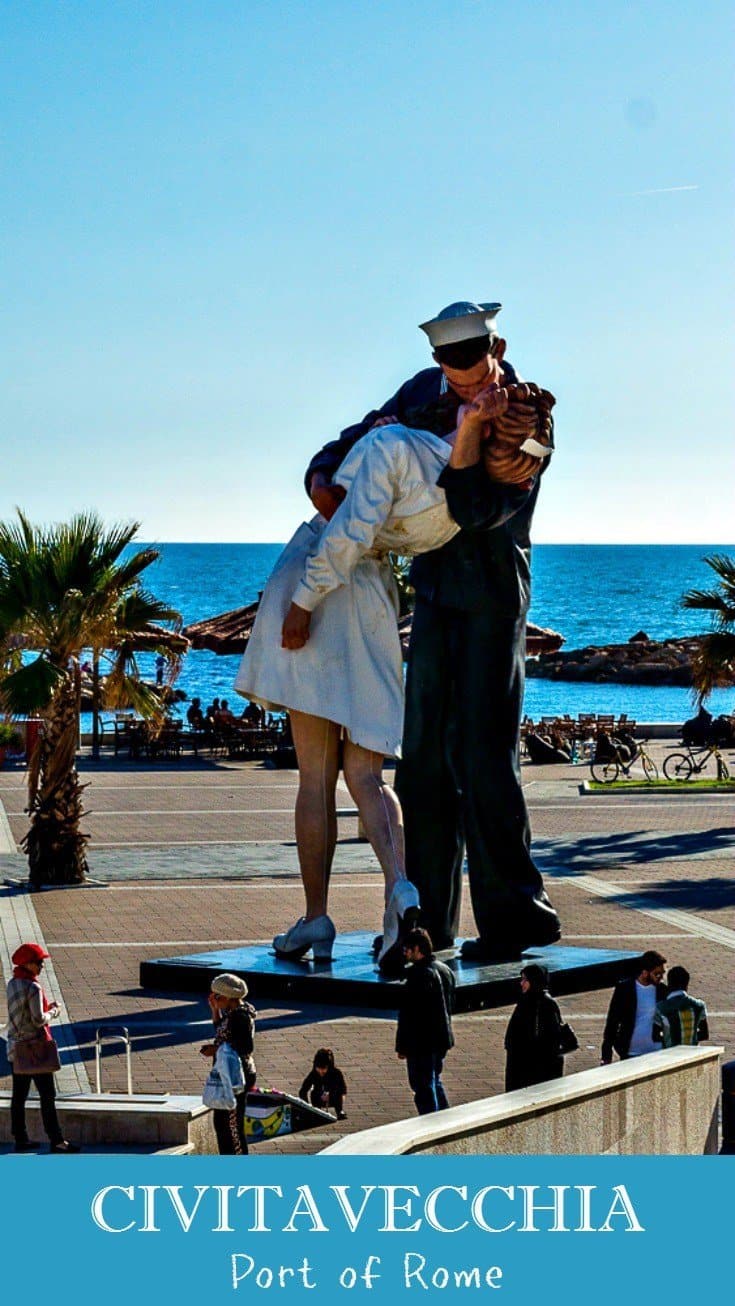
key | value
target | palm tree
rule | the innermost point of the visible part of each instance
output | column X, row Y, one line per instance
column 406, row 594
column 63, row 589
column 714, row 662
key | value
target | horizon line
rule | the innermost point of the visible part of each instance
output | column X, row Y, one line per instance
column 621, row 544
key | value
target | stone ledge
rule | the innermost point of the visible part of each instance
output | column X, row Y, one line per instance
column 604, row 1110
column 157, row 1120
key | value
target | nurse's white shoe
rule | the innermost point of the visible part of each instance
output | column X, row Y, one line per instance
column 317, row 935
column 402, row 914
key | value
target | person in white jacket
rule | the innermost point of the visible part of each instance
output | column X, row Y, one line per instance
column 325, row 646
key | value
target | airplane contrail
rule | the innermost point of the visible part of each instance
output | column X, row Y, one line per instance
column 663, row 190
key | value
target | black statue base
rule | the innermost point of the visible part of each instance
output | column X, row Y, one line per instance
column 352, row 978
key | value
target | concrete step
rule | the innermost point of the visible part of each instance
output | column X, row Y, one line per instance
column 171, row 1122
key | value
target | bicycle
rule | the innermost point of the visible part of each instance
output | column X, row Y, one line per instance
column 680, row 766
column 605, row 772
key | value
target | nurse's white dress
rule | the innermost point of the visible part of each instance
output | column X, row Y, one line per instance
column 350, row 671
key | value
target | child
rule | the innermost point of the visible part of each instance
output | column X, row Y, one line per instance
column 325, row 1085
column 234, row 1023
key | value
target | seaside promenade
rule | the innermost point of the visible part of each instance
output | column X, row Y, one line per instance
column 199, row 854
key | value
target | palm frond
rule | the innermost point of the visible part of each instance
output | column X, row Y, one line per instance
column 30, row 688
column 123, row 690
column 139, row 610
column 710, row 601
column 713, row 665
column 724, row 567
column 129, row 571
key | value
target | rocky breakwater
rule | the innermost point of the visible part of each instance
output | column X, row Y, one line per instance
column 641, row 661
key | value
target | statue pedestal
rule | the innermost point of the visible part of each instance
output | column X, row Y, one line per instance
column 352, row 978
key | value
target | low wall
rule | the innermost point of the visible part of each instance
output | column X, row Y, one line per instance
column 663, row 1103
column 116, row 1120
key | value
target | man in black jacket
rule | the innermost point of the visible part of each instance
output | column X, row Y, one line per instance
column 629, row 1024
column 424, row 1034
column 459, row 780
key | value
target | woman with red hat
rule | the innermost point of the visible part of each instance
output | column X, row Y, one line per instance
column 32, row 1051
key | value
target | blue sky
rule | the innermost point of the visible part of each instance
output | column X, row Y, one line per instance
column 223, row 221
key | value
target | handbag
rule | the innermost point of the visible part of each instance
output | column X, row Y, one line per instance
column 35, row 1056
column 568, row 1041
column 224, row 1081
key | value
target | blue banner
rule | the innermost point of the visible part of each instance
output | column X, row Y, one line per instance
column 506, row 1229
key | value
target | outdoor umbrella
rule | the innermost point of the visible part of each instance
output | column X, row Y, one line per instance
column 229, row 633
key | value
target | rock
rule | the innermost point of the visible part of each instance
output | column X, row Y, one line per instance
column 640, row 637
column 640, row 661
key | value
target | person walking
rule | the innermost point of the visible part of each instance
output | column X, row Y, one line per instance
column 234, row 1024
column 532, row 1039
column 629, row 1025
column 424, row 1034
column 679, row 1018
column 32, row 1052
column 325, row 1085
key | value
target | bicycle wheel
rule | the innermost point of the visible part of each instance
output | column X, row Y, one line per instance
column 604, row 772
column 650, row 770
column 677, row 766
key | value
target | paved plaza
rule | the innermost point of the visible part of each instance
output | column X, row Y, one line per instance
column 199, row 854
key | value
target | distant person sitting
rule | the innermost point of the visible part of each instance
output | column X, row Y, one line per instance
column 194, row 715
column 680, row 1018
column 609, row 748
column 697, row 730
column 545, row 749
column 211, row 713
column 253, row 715
column 629, row 1024
column 225, row 718
column 325, row 1085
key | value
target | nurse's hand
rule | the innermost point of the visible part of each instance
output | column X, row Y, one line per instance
column 484, row 407
column 295, row 630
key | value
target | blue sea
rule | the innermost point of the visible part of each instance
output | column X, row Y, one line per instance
column 591, row 594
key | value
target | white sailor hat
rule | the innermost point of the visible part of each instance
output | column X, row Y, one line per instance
column 461, row 321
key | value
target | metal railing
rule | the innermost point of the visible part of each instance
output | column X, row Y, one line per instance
column 117, row 1034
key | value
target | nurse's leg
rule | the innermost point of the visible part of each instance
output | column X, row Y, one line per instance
column 317, row 751
column 379, row 810
column 382, row 819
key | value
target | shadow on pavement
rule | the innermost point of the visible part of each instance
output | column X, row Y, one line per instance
column 704, row 895
column 595, row 851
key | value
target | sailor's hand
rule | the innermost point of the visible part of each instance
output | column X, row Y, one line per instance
column 326, row 498
column 384, row 421
column 295, row 630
